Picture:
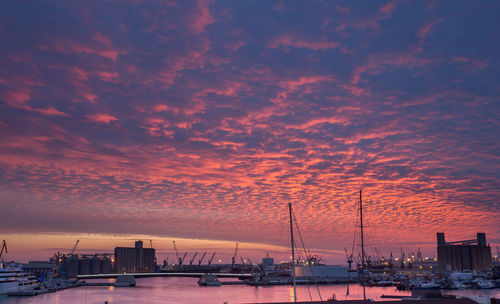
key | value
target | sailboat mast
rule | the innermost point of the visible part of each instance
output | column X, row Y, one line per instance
column 362, row 235
column 293, row 255
column 362, row 246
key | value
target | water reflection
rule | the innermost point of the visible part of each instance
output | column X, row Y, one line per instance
column 186, row 290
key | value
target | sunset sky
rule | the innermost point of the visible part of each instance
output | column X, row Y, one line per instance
column 198, row 121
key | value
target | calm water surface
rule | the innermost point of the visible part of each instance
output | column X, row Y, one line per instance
column 186, row 290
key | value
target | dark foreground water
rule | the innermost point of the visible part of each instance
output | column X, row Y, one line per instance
column 186, row 290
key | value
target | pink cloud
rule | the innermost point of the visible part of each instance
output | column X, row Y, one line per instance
column 202, row 17
column 388, row 8
column 17, row 99
column 288, row 40
column 51, row 111
column 71, row 47
column 424, row 31
column 102, row 118
column 385, row 12
column 470, row 64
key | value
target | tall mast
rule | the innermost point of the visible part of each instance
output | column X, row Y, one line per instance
column 362, row 236
column 293, row 255
column 362, row 245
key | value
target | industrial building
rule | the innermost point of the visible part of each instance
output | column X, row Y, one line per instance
column 463, row 255
column 135, row 259
column 73, row 265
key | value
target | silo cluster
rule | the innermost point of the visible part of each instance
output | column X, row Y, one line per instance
column 77, row 264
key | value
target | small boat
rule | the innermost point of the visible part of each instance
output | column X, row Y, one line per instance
column 381, row 283
column 484, row 284
column 209, row 280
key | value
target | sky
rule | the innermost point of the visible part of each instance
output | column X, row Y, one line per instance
column 199, row 121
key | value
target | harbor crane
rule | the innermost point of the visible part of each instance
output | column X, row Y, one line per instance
column 74, row 247
column 202, row 257
column 181, row 261
column 210, row 260
column 177, row 254
column 242, row 261
column 192, row 260
column 4, row 247
column 349, row 258
column 234, row 256
column 249, row 261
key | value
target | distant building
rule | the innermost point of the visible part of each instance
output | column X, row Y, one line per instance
column 41, row 268
column 463, row 255
column 135, row 259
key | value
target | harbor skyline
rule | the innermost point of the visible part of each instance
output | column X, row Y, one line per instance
column 200, row 121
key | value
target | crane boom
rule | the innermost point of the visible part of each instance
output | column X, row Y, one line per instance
column 177, row 253
column 210, row 261
column 202, row 257
column 74, row 247
column 192, row 260
column 182, row 260
column 234, row 256
column 4, row 247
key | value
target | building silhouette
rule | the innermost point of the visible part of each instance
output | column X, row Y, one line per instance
column 463, row 255
column 135, row 259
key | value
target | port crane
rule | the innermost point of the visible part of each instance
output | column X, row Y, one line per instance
column 202, row 257
column 192, row 260
column 74, row 247
column 234, row 256
column 177, row 254
column 4, row 247
column 181, row 261
column 210, row 260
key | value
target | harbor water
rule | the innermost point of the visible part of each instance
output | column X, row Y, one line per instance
column 186, row 290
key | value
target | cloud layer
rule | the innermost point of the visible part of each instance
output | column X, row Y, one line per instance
column 202, row 119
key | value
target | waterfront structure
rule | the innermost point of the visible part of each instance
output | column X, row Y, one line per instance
column 463, row 255
column 41, row 268
column 135, row 259
column 322, row 271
